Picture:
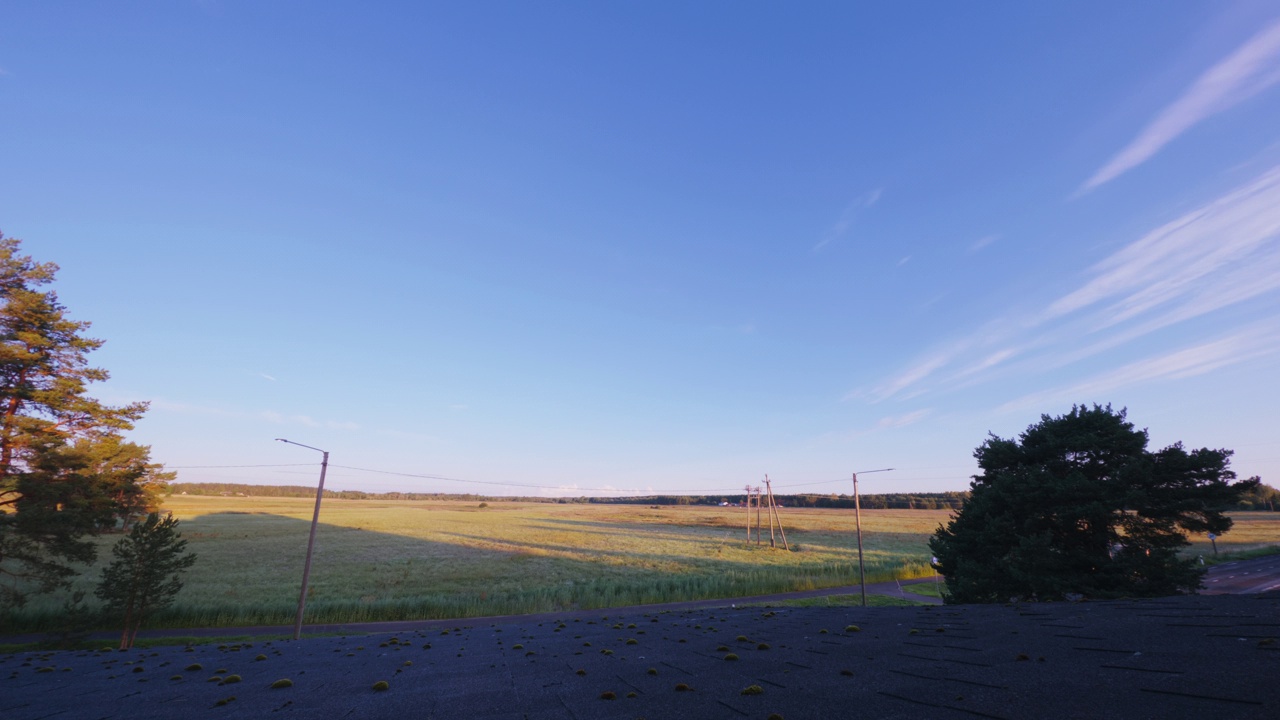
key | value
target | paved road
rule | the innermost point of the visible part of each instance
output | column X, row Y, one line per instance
column 1243, row 577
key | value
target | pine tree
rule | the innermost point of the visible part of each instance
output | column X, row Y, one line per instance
column 145, row 575
column 1078, row 505
column 51, row 496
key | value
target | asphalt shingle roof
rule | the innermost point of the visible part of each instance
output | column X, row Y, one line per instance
column 1201, row 657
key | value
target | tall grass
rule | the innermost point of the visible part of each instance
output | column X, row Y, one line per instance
column 582, row 595
column 388, row 560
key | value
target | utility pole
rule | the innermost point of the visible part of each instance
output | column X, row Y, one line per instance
column 773, row 505
column 769, row 494
column 748, row 490
column 311, row 540
column 857, row 518
column 758, row 539
column 857, row 515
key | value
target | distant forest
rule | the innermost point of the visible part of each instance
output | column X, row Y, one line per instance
column 1264, row 498
column 916, row 501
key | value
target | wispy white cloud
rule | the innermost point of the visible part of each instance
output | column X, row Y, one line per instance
column 914, row 373
column 904, row 261
column 266, row 377
column 982, row 242
column 1250, row 344
column 1252, row 68
column 911, row 418
column 988, row 362
column 190, row 409
column 1225, row 253
column 272, row 416
column 1175, row 260
column 841, row 226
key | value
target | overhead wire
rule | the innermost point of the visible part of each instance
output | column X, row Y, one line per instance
column 536, row 486
column 207, row 467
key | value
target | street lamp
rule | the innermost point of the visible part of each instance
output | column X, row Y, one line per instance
column 311, row 541
column 857, row 514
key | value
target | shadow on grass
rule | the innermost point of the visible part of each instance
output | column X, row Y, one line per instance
column 250, row 566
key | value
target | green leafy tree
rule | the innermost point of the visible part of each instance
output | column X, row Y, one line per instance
column 1078, row 505
column 1263, row 497
column 49, row 499
column 145, row 574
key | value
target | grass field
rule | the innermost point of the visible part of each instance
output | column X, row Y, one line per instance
column 384, row 560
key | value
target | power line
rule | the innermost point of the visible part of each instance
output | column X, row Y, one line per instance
column 534, row 486
column 207, row 467
column 473, row 482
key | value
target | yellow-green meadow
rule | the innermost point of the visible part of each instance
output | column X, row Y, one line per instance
column 396, row 559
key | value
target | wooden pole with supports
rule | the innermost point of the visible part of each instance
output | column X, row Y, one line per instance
column 769, row 494
column 748, row 489
column 773, row 505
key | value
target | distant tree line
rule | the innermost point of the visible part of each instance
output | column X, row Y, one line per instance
column 304, row 491
column 892, row 501
column 1264, row 497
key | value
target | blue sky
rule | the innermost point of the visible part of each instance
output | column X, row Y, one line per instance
column 580, row 248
